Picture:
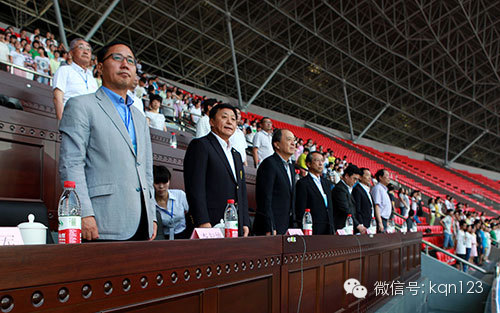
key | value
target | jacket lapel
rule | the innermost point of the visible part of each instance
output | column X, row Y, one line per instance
column 281, row 167
column 222, row 155
column 315, row 188
column 107, row 106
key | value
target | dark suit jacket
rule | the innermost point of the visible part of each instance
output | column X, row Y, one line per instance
column 343, row 204
column 364, row 207
column 209, row 182
column 309, row 197
column 275, row 197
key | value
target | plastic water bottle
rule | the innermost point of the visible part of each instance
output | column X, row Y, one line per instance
column 70, row 215
column 173, row 141
column 307, row 223
column 373, row 226
column 230, row 220
column 413, row 228
column 349, row 225
column 390, row 226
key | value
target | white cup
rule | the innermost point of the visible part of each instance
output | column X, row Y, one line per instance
column 33, row 233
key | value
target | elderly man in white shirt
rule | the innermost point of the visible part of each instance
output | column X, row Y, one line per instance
column 238, row 140
column 262, row 147
column 75, row 79
column 381, row 199
column 203, row 125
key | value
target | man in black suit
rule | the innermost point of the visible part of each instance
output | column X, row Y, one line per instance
column 313, row 192
column 275, row 189
column 363, row 199
column 213, row 173
column 343, row 203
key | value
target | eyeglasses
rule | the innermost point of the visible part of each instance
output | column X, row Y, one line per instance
column 118, row 57
column 84, row 47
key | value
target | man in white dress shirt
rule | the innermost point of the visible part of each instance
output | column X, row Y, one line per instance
column 238, row 140
column 203, row 125
column 262, row 147
column 380, row 196
column 75, row 79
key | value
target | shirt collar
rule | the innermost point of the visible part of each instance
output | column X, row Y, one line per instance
column 348, row 188
column 225, row 145
column 314, row 177
column 284, row 161
column 78, row 68
column 265, row 133
column 116, row 98
column 383, row 186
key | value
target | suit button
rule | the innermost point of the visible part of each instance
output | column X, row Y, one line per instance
column 137, row 189
column 237, row 187
column 138, row 164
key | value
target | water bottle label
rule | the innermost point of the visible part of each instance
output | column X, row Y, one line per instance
column 70, row 229
column 307, row 229
column 372, row 230
column 231, row 229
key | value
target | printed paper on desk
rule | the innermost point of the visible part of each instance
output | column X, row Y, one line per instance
column 10, row 236
column 341, row 232
column 206, row 233
column 294, row 232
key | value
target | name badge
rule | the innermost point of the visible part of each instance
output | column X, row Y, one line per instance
column 207, row 233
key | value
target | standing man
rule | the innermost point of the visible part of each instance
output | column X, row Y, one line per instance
column 213, row 173
column 262, row 146
column 343, row 202
column 363, row 199
column 275, row 188
column 238, row 140
column 313, row 192
column 203, row 125
column 381, row 199
column 75, row 79
column 106, row 150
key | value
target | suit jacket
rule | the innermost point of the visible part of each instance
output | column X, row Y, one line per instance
column 275, row 197
column 364, row 207
column 309, row 197
column 97, row 153
column 343, row 204
column 209, row 183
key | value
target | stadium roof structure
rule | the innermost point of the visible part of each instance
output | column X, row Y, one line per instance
column 422, row 75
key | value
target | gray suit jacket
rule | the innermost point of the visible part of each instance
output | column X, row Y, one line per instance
column 97, row 153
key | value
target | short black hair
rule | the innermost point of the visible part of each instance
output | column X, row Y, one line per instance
column 351, row 169
column 207, row 103
column 380, row 173
column 306, row 150
column 219, row 107
column 277, row 135
column 309, row 156
column 104, row 50
column 153, row 97
column 265, row 118
column 161, row 174
column 363, row 169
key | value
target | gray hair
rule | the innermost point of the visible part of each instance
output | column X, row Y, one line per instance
column 74, row 43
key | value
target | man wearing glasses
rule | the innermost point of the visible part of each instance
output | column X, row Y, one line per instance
column 106, row 150
column 75, row 79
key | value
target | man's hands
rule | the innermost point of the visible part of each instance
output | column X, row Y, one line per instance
column 155, row 229
column 269, row 233
column 89, row 228
column 246, row 231
column 361, row 228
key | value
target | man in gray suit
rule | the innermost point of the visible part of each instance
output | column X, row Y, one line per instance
column 106, row 150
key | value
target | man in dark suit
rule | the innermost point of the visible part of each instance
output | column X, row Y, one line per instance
column 275, row 189
column 313, row 192
column 343, row 203
column 363, row 199
column 213, row 173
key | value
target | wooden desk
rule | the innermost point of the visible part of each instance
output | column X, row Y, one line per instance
column 258, row 274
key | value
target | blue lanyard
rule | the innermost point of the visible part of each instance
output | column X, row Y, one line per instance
column 85, row 80
column 171, row 213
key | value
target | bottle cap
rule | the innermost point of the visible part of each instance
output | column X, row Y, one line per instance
column 308, row 210
column 69, row 184
column 172, row 133
column 349, row 215
column 231, row 201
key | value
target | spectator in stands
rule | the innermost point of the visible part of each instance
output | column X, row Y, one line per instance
column 474, row 246
column 34, row 49
column 17, row 58
column 468, row 245
column 213, row 173
column 301, row 161
column 460, row 249
column 4, row 51
column 487, row 243
column 50, row 51
column 171, row 204
column 404, row 202
column 42, row 66
column 249, row 134
column 29, row 62
column 137, row 101
column 337, row 174
column 439, row 207
column 203, row 125
column 106, row 150
column 55, row 62
column 414, row 204
column 36, row 32
column 381, row 199
column 432, row 208
column 363, row 199
column 76, row 79
column 343, row 202
column 299, row 148
column 448, row 202
column 313, row 192
column 140, row 90
column 155, row 119
column 195, row 112
column 493, row 234
column 330, row 172
column 238, row 140
column 447, row 222
column 410, row 221
column 275, row 187
column 262, row 147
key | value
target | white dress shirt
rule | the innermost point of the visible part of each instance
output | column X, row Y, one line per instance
column 262, row 141
column 382, row 199
column 239, row 142
column 348, row 187
column 286, row 165
column 317, row 182
column 74, row 81
column 226, row 147
column 137, row 101
column 173, row 216
column 203, row 127
column 367, row 190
